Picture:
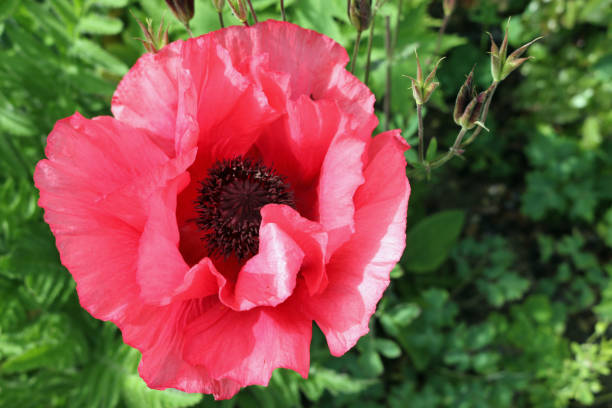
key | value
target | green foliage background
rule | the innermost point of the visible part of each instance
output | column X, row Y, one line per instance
column 503, row 297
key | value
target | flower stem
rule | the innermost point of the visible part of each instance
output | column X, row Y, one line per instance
column 397, row 22
column 451, row 152
column 421, row 131
column 483, row 117
column 221, row 19
column 389, row 49
column 283, row 10
column 355, row 51
column 438, row 40
column 369, row 55
column 188, row 30
column 252, row 11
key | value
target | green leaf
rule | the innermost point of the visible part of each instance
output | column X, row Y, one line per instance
column 92, row 52
column 388, row 348
column 112, row 3
column 432, row 149
column 428, row 243
column 102, row 25
column 7, row 7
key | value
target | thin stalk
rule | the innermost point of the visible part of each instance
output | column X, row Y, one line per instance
column 221, row 19
column 483, row 117
column 188, row 30
column 438, row 40
column 283, row 10
column 451, row 152
column 420, row 132
column 397, row 22
column 252, row 11
column 369, row 55
column 389, row 49
column 355, row 51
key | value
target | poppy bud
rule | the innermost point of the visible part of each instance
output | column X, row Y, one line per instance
column 218, row 5
column 422, row 89
column 360, row 13
column 239, row 9
column 182, row 9
column 501, row 66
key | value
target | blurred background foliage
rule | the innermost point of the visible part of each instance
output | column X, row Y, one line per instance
column 503, row 297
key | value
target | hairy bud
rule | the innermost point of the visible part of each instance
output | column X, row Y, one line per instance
column 239, row 9
column 218, row 5
column 422, row 89
column 360, row 13
column 153, row 41
column 469, row 103
column 182, row 9
column 502, row 66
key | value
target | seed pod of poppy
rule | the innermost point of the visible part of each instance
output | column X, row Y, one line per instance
column 182, row 9
column 360, row 13
column 218, row 5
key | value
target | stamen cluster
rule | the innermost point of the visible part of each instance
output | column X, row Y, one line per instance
column 229, row 204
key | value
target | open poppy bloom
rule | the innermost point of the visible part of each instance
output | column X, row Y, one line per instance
column 236, row 196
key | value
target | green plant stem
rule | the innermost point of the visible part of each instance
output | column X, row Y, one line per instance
column 438, row 40
column 282, row 4
column 451, row 152
column 188, row 30
column 369, row 55
column 253, row 11
column 420, row 132
column 389, row 49
column 483, row 117
column 397, row 22
column 355, row 51
column 221, row 19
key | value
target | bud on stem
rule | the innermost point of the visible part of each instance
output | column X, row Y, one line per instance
column 240, row 11
column 153, row 41
column 360, row 13
column 183, row 10
column 422, row 89
column 502, row 66
column 469, row 103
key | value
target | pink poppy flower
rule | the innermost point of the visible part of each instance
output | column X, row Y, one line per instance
column 236, row 197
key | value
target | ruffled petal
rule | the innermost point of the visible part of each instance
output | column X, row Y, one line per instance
column 230, row 109
column 310, row 236
column 162, row 272
column 248, row 346
column 341, row 175
column 269, row 277
column 358, row 272
column 297, row 145
column 147, row 97
column 90, row 163
column 159, row 332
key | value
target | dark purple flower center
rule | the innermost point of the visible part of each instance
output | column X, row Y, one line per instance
column 229, row 202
